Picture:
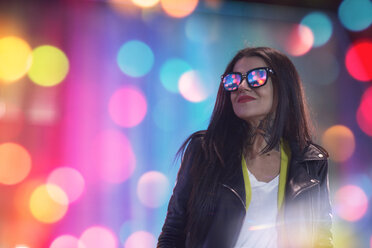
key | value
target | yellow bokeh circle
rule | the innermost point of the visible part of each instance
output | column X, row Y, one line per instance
column 339, row 141
column 179, row 8
column 49, row 67
column 145, row 3
column 48, row 203
column 15, row 58
column 15, row 163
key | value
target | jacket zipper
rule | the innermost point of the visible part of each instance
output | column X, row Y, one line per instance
column 235, row 193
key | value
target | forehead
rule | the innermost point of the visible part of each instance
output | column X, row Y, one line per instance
column 247, row 63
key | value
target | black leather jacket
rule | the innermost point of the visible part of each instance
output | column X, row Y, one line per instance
column 306, row 213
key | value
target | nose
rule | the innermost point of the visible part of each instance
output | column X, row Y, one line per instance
column 244, row 84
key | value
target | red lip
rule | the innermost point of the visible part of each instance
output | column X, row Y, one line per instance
column 245, row 98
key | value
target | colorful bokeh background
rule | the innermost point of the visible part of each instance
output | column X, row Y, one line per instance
column 97, row 96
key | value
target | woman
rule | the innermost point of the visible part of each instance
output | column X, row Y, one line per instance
column 254, row 178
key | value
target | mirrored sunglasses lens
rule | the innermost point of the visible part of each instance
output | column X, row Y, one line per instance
column 231, row 81
column 257, row 77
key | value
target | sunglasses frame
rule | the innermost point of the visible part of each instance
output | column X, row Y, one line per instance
column 244, row 76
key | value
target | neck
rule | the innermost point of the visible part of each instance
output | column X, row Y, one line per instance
column 263, row 130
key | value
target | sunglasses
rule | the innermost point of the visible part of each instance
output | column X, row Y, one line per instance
column 256, row 77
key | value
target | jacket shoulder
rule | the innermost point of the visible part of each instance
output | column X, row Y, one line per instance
column 313, row 152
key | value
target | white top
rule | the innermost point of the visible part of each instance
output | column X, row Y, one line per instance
column 259, row 227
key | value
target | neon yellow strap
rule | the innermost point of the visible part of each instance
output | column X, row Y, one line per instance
column 285, row 155
column 247, row 184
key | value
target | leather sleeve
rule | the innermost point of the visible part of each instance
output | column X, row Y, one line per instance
column 324, row 235
column 173, row 231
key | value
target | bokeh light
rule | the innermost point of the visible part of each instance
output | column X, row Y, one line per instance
column 49, row 66
column 152, row 189
column 364, row 114
column 301, row 40
column 179, row 8
column 48, row 203
column 171, row 71
column 202, row 29
column 339, row 141
column 114, row 157
column 145, row 3
column 124, row 7
column 140, row 239
column 127, row 107
column 351, row 203
column 15, row 163
column 135, row 58
column 355, row 15
column 67, row 241
column 98, row 237
column 320, row 25
column 73, row 187
column 15, row 58
column 357, row 60
column 191, row 87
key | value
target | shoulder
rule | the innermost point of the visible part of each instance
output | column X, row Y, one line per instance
column 311, row 152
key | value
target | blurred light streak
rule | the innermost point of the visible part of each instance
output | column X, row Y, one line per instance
column 191, row 87
column 171, row 71
column 364, row 114
column 15, row 58
column 49, row 66
column 135, row 58
column 320, row 25
column 98, row 237
column 141, row 239
column 48, row 203
column 113, row 159
column 73, row 187
column 15, row 163
column 357, row 60
column 355, row 15
column 127, row 107
column 351, row 202
column 12, row 121
column 301, row 40
column 153, row 189
column 339, row 141
column 179, row 8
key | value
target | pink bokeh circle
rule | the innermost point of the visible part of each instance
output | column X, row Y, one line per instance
column 113, row 156
column 301, row 40
column 69, row 241
column 351, row 203
column 98, row 237
column 69, row 180
column 127, row 107
column 140, row 239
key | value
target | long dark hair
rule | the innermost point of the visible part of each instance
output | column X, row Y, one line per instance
column 224, row 140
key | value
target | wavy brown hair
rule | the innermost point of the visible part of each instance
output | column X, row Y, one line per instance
column 227, row 135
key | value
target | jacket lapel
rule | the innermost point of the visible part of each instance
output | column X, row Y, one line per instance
column 299, row 178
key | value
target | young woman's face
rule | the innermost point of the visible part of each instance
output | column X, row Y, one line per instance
column 252, row 105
